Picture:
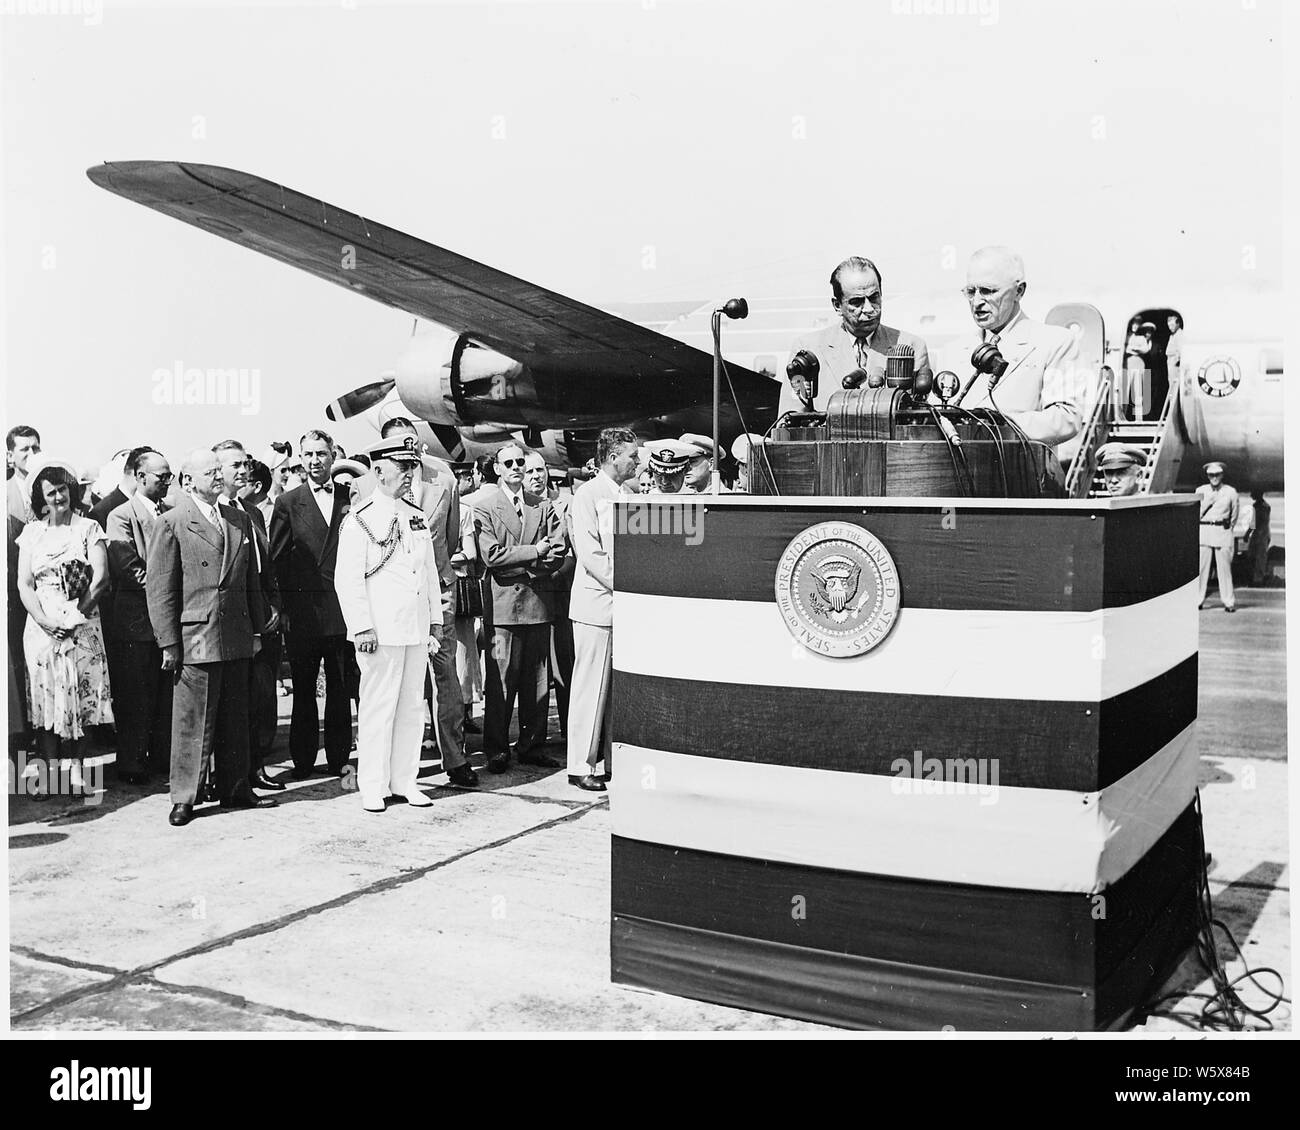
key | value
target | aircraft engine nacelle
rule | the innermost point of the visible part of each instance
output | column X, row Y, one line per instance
column 447, row 378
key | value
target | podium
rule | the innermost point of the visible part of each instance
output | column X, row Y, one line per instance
column 906, row 763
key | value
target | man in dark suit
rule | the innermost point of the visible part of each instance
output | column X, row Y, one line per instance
column 263, row 704
column 207, row 612
column 142, row 690
column 22, row 441
column 521, row 542
column 304, row 545
column 556, row 586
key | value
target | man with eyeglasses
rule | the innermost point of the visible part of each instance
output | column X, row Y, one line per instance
column 124, row 489
column 857, row 340
column 142, row 690
column 1044, row 386
column 521, row 542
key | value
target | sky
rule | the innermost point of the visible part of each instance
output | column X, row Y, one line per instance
column 631, row 150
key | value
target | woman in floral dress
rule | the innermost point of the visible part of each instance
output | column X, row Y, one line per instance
column 62, row 573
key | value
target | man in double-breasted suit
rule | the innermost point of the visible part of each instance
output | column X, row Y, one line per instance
column 304, row 545
column 521, row 541
column 857, row 340
column 142, row 690
column 206, row 608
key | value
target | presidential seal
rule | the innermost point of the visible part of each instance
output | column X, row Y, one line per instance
column 837, row 589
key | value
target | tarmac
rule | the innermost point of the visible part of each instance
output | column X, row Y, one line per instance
column 489, row 911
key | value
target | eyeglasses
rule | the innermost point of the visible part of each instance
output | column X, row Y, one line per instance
column 512, row 462
column 165, row 477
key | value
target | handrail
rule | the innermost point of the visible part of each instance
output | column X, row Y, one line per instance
column 1162, row 429
column 1094, row 435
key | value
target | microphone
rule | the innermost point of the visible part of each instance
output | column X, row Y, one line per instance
column 946, row 385
column 802, row 372
column 988, row 359
column 900, row 367
column 854, row 378
column 736, row 308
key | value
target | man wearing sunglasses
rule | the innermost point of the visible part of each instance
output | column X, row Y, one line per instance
column 142, row 690
column 521, row 542
column 120, row 493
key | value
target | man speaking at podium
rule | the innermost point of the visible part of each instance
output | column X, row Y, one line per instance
column 1042, row 389
column 859, row 341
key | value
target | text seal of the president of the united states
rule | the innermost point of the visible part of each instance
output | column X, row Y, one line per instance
column 837, row 589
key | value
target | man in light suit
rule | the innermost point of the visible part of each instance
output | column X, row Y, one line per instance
column 521, row 542
column 591, row 605
column 1045, row 386
column 207, row 612
column 435, row 492
column 388, row 587
column 304, row 533
column 859, row 340
column 142, row 690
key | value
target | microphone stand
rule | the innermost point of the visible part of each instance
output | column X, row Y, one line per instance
column 733, row 308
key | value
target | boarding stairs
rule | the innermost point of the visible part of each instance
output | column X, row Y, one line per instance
column 1160, row 440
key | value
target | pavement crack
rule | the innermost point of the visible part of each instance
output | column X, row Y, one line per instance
column 145, row 973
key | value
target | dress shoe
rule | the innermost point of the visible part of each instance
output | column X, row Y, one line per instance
column 498, row 764
column 181, row 815
column 259, row 780
column 301, row 774
column 373, row 805
column 589, row 783
column 1230, row 610
column 470, row 726
column 415, row 799
column 543, row 760
column 244, row 797
column 464, row 776
column 208, row 793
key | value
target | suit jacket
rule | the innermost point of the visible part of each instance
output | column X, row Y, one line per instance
column 512, row 559
column 400, row 600
column 207, row 600
column 836, row 351
column 303, row 550
column 557, row 585
column 591, row 529
column 20, row 499
column 1045, row 385
column 440, row 503
column 265, row 566
column 106, row 505
column 129, row 526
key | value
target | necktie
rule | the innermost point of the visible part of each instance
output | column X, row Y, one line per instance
column 519, row 509
column 324, row 488
column 862, row 355
column 219, row 526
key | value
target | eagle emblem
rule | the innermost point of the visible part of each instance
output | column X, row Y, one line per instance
column 837, row 589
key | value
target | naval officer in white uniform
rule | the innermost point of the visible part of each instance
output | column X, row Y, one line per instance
column 387, row 583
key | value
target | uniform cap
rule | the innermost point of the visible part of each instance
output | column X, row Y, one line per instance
column 670, row 455
column 703, row 444
column 1214, row 468
column 400, row 449
column 1112, row 456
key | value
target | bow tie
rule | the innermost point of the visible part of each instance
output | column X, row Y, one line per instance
column 328, row 488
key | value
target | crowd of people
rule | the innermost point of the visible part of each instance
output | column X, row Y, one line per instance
column 161, row 611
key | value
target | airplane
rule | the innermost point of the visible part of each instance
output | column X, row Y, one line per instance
column 493, row 357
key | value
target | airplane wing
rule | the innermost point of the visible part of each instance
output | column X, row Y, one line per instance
column 517, row 318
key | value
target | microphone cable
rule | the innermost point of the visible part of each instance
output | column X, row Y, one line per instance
column 965, row 487
column 767, row 465
column 1222, row 1009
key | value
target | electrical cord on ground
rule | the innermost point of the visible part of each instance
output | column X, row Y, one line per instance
column 1222, row 1009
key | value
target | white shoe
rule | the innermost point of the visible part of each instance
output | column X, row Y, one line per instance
column 373, row 805
column 416, row 799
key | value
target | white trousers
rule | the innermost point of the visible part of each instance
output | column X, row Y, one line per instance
column 390, row 720
column 1221, row 556
column 589, row 698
